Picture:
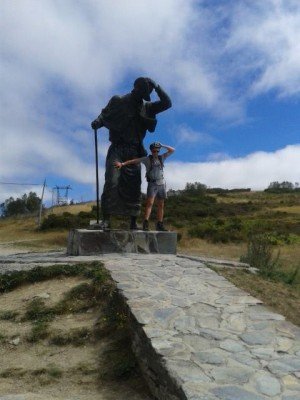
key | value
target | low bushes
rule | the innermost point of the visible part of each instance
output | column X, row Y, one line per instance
column 260, row 255
column 67, row 220
column 218, row 230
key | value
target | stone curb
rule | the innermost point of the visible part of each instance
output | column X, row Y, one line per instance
column 215, row 261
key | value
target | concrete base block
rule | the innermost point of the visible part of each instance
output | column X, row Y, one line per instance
column 82, row 242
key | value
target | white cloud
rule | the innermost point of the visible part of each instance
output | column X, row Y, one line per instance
column 187, row 135
column 219, row 156
column 256, row 170
column 61, row 60
column 264, row 39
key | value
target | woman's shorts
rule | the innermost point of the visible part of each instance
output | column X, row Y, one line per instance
column 155, row 190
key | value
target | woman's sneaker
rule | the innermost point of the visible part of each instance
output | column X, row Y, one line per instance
column 146, row 225
column 160, row 226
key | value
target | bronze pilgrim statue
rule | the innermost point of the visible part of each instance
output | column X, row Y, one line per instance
column 128, row 118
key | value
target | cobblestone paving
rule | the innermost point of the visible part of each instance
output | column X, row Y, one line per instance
column 216, row 341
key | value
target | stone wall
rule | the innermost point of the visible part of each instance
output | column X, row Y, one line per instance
column 162, row 385
column 82, row 242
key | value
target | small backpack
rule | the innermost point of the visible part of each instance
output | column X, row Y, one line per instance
column 152, row 166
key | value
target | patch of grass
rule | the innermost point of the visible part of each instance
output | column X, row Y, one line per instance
column 67, row 220
column 81, row 291
column 218, row 230
column 12, row 373
column 78, row 299
column 39, row 331
column 75, row 337
column 283, row 298
column 260, row 255
column 36, row 310
column 2, row 337
column 54, row 372
column 8, row 315
column 85, row 368
column 12, row 280
column 38, row 372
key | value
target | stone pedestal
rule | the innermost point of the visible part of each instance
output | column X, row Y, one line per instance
column 82, row 242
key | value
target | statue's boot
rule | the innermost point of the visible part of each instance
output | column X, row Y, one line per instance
column 133, row 224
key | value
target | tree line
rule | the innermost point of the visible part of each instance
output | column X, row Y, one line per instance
column 283, row 187
column 26, row 204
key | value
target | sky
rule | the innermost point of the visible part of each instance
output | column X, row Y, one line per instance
column 231, row 68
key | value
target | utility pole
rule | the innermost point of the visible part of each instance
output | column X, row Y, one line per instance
column 41, row 205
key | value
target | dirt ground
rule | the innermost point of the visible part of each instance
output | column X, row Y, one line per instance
column 45, row 371
column 10, row 248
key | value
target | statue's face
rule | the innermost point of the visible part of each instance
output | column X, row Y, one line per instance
column 143, row 88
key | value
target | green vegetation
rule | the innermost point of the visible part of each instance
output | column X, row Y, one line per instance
column 283, row 187
column 236, row 217
column 2, row 337
column 39, row 331
column 260, row 255
column 75, row 337
column 37, row 311
column 267, row 223
column 28, row 203
column 99, row 290
column 8, row 315
column 103, row 330
column 14, row 279
column 212, row 222
column 67, row 220
column 54, row 372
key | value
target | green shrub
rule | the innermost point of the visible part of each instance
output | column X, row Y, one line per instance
column 14, row 279
column 68, row 220
column 76, row 337
column 218, row 230
column 37, row 311
column 54, row 372
column 39, row 331
column 8, row 315
column 260, row 255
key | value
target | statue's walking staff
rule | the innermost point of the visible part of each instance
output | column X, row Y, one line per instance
column 97, row 178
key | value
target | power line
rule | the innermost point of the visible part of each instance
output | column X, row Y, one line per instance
column 21, row 184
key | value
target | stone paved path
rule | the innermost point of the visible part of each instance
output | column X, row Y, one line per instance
column 213, row 340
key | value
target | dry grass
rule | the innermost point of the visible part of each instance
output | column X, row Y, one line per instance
column 200, row 247
column 22, row 233
column 289, row 254
column 66, row 356
column 72, row 209
column 290, row 209
column 235, row 197
column 282, row 298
